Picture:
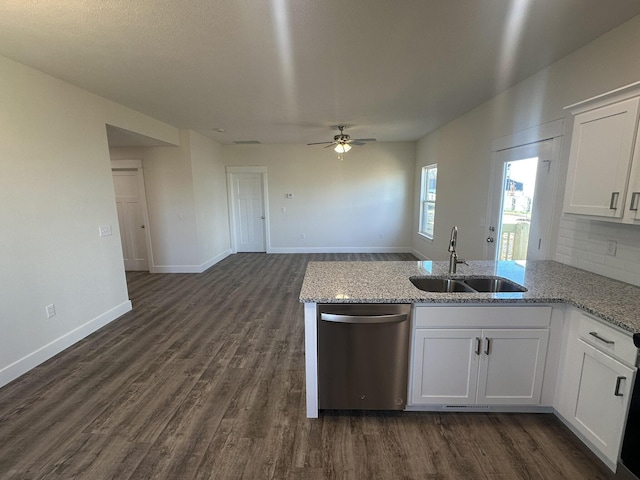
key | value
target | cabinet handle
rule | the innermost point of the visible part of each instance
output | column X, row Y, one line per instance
column 602, row 339
column 614, row 200
column 487, row 348
column 635, row 196
column 617, row 391
column 478, row 345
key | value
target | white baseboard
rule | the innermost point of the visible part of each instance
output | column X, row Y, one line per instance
column 419, row 255
column 216, row 259
column 339, row 250
column 44, row 353
column 192, row 268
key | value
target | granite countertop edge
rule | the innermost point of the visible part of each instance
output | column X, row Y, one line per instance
column 548, row 282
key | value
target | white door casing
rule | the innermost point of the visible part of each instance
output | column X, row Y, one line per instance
column 128, row 183
column 248, row 204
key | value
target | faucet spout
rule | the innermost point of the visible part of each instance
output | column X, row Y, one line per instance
column 454, row 239
column 453, row 257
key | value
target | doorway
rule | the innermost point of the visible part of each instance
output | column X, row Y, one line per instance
column 524, row 183
column 128, row 184
column 247, row 188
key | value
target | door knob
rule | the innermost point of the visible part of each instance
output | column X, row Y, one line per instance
column 489, row 239
column 141, row 226
column 262, row 217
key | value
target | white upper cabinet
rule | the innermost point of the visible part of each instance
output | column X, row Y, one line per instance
column 604, row 165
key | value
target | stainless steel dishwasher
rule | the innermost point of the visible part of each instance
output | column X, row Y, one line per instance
column 363, row 356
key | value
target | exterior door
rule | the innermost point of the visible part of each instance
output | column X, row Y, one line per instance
column 249, row 212
column 523, row 196
column 131, row 217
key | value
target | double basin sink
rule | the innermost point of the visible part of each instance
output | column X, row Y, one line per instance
column 466, row 285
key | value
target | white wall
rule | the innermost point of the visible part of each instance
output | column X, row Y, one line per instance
column 462, row 148
column 339, row 206
column 187, row 202
column 55, row 190
column 210, row 196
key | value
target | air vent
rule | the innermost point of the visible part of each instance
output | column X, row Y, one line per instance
column 246, row 142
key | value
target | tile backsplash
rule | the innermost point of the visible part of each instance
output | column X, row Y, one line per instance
column 583, row 243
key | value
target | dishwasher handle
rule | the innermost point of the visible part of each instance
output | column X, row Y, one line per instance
column 337, row 318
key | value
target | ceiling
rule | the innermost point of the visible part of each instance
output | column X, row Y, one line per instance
column 286, row 71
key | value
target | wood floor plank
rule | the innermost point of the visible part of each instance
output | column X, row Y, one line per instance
column 204, row 379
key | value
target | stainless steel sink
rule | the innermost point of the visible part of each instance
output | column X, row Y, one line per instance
column 493, row 284
column 440, row 285
column 466, row 285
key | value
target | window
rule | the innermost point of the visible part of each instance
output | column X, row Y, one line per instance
column 428, row 200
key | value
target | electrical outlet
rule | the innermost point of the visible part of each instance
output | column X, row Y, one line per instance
column 105, row 230
column 381, row 235
column 51, row 310
column 303, row 236
column 612, row 245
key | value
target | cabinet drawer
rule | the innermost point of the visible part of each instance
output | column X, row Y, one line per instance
column 608, row 339
column 480, row 316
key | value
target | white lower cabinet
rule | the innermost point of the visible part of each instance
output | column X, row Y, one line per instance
column 489, row 367
column 602, row 399
column 478, row 366
column 445, row 369
column 596, row 385
column 512, row 367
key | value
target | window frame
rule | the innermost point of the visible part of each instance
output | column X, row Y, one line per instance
column 426, row 201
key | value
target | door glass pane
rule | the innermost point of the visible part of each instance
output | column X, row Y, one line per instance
column 517, row 202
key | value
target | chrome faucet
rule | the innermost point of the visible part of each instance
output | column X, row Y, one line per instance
column 453, row 258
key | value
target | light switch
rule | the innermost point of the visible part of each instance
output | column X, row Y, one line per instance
column 105, row 230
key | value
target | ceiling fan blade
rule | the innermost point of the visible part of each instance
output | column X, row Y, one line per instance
column 319, row 143
column 359, row 144
column 330, row 144
column 363, row 140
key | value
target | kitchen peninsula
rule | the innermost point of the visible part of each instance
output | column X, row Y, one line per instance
column 538, row 340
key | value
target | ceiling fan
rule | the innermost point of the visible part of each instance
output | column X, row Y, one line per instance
column 343, row 142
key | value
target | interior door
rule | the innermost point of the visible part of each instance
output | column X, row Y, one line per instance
column 131, row 219
column 523, row 196
column 249, row 212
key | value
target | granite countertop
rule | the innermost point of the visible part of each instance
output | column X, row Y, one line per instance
column 547, row 282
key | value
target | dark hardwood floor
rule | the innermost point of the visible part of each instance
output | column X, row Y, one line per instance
column 205, row 379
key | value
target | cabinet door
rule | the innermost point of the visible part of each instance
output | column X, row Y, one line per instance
column 604, row 388
column 632, row 204
column 600, row 159
column 445, row 366
column 512, row 366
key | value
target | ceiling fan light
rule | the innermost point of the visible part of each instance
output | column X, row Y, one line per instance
column 342, row 148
